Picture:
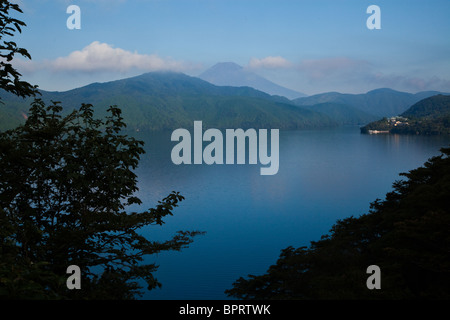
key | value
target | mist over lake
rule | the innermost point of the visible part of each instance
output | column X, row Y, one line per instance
column 324, row 175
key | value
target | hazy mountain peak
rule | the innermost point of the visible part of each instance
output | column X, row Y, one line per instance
column 226, row 66
column 382, row 90
column 232, row 74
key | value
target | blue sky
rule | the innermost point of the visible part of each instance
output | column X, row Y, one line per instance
column 312, row 46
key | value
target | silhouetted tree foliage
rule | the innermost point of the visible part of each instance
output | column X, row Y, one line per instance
column 406, row 235
column 9, row 77
column 65, row 185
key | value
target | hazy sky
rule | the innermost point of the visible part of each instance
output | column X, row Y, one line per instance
column 312, row 46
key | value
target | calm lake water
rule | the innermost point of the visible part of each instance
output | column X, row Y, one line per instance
column 324, row 175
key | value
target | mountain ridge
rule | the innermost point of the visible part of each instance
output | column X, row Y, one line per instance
column 382, row 102
column 431, row 108
column 169, row 100
column 429, row 116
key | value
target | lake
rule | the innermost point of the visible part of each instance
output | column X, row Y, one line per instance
column 324, row 175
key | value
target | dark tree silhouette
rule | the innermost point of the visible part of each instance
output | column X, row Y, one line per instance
column 66, row 185
column 406, row 235
column 9, row 77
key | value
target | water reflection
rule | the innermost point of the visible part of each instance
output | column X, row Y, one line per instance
column 323, row 176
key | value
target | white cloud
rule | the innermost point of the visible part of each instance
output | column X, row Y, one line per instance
column 102, row 57
column 269, row 63
column 342, row 73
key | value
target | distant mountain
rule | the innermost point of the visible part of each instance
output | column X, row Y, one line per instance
column 168, row 100
column 232, row 74
column 379, row 102
column 430, row 116
column 343, row 114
